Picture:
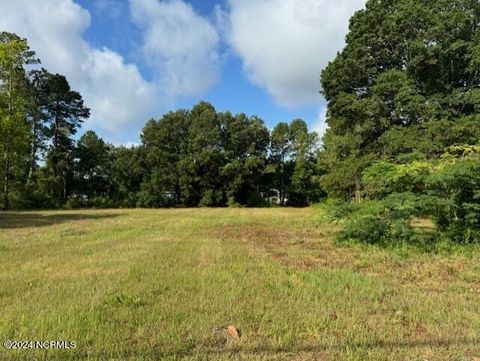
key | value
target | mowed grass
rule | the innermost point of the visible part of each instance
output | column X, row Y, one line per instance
column 153, row 284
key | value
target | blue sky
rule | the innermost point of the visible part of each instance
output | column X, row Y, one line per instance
column 136, row 59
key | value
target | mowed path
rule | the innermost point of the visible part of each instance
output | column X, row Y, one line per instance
column 153, row 284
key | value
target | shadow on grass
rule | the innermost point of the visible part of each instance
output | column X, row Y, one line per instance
column 24, row 220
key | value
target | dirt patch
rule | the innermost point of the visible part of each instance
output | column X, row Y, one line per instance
column 303, row 249
column 309, row 248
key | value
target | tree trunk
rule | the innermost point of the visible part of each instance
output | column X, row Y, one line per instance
column 10, row 102
column 64, row 192
column 33, row 151
column 55, row 149
column 6, row 180
column 358, row 195
column 6, row 186
column 178, row 194
column 282, row 185
column 55, row 142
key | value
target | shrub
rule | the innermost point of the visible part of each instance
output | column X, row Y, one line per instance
column 446, row 190
column 384, row 221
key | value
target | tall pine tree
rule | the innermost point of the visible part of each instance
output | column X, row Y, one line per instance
column 65, row 112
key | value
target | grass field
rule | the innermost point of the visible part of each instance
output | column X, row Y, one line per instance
column 153, row 284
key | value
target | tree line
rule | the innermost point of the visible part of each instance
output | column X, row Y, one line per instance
column 197, row 157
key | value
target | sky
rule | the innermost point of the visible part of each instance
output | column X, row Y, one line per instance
column 133, row 60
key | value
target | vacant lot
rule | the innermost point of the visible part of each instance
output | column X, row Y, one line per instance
column 153, row 284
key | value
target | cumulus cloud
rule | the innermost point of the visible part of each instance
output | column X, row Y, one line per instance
column 285, row 44
column 117, row 91
column 178, row 44
column 120, row 98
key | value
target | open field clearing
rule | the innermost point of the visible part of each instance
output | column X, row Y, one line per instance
column 153, row 284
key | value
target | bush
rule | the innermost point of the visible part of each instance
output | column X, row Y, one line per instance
column 257, row 200
column 446, row 190
column 366, row 228
column 386, row 221
column 75, row 203
column 232, row 203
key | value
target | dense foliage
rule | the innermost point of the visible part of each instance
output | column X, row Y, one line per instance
column 196, row 157
column 39, row 114
column 404, row 115
column 445, row 191
column 408, row 81
column 204, row 158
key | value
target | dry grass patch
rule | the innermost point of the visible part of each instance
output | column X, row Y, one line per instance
column 309, row 247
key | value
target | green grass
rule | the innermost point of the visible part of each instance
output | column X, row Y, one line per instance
column 153, row 284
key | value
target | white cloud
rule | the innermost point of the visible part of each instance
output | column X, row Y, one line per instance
column 119, row 92
column 178, row 44
column 120, row 99
column 284, row 44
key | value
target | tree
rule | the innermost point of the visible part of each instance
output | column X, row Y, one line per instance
column 410, row 71
column 203, row 158
column 92, row 166
column 245, row 146
column 127, row 174
column 14, row 55
column 65, row 111
column 293, row 154
column 164, row 142
column 36, row 118
column 280, row 152
column 305, row 187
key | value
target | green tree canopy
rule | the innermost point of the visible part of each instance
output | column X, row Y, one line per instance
column 92, row 166
column 15, row 54
column 408, row 81
column 65, row 111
